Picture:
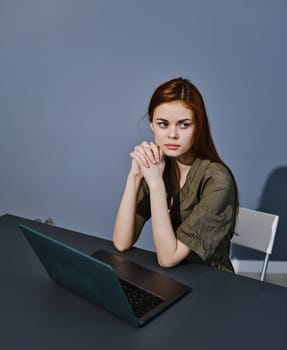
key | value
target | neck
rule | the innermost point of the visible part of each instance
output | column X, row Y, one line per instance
column 183, row 168
column 183, row 162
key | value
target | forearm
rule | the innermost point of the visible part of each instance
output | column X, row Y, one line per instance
column 125, row 234
column 170, row 251
column 163, row 234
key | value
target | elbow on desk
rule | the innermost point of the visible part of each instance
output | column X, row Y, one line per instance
column 165, row 263
column 121, row 247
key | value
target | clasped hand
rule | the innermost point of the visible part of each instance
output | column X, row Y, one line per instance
column 148, row 161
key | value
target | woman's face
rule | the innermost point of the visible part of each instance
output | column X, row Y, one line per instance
column 172, row 125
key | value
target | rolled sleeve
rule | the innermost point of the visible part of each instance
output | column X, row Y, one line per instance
column 211, row 219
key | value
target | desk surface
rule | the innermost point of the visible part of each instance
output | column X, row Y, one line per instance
column 223, row 311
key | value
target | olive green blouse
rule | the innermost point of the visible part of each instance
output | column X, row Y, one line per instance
column 202, row 215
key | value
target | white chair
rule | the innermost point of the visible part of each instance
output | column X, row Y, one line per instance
column 256, row 229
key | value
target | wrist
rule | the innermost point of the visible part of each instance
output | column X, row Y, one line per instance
column 134, row 178
column 156, row 184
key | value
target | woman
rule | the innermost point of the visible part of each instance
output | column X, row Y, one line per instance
column 181, row 183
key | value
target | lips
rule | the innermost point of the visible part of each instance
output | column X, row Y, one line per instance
column 172, row 146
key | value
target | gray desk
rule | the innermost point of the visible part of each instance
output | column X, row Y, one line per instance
column 224, row 311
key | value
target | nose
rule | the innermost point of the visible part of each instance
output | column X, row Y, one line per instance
column 172, row 133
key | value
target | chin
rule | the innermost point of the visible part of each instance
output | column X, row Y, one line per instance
column 172, row 154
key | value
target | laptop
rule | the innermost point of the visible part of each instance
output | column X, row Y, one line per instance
column 126, row 289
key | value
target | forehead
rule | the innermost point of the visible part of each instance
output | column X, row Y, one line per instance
column 174, row 110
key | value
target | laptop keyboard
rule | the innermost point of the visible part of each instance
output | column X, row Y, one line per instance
column 140, row 300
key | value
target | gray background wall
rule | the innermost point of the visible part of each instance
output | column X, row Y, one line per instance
column 75, row 80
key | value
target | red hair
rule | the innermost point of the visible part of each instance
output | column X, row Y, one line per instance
column 183, row 90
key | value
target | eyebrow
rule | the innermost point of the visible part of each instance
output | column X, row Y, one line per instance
column 179, row 121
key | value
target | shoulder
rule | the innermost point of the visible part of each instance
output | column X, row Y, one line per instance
column 205, row 169
column 211, row 176
column 217, row 180
column 218, row 172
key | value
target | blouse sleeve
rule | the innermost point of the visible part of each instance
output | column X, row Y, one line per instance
column 212, row 218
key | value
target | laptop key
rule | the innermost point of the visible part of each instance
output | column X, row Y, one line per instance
column 139, row 299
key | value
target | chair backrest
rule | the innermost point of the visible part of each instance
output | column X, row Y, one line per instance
column 256, row 230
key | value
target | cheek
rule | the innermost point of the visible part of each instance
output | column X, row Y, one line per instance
column 157, row 139
column 158, row 134
column 188, row 139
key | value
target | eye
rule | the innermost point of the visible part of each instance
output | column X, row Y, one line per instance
column 185, row 125
column 162, row 124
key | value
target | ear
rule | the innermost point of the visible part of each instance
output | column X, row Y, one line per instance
column 151, row 126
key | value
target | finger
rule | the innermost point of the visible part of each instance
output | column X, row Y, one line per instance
column 140, row 152
column 140, row 158
column 146, row 147
column 140, row 162
column 156, row 151
column 161, row 155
